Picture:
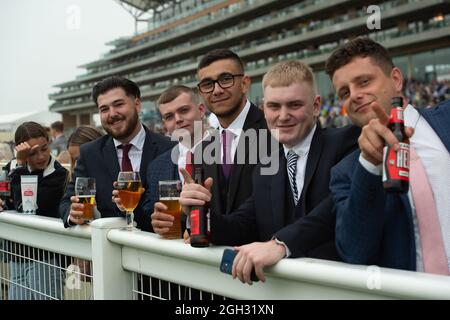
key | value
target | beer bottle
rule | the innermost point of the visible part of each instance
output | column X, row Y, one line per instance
column 396, row 163
column 199, row 217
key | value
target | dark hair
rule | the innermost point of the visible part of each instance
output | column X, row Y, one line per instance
column 220, row 54
column 83, row 134
column 57, row 126
column 360, row 47
column 173, row 92
column 29, row 130
column 130, row 88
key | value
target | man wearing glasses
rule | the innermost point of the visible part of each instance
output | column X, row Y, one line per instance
column 224, row 86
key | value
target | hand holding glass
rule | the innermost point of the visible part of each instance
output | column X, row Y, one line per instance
column 169, row 194
column 85, row 191
column 130, row 190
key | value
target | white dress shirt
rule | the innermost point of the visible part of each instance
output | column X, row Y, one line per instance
column 182, row 153
column 135, row 153
column 302, row 150
column 236, row 128
column 436, row 161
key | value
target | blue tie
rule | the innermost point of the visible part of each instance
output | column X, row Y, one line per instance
column 292, row 158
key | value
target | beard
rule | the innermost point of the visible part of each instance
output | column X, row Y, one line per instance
column 127, row 131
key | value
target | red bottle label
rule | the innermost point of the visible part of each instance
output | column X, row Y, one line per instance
column 195, row 222
column 396, row 163
column 4, row 186
column 397, row 116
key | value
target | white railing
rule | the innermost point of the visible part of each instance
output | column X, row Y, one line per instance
column 117, row 255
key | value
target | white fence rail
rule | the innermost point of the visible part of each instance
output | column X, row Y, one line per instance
column 117, row 255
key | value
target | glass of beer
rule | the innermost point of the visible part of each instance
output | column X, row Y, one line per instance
column 85, row 191
column 130, row 191
column 169, row 194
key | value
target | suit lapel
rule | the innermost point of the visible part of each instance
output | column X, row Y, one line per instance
column 148, row 153
column 439, row 118
column 110, row 158
column 174, row 166
column 278, row 193
column 315, row 151
column 252, row 121
column 211, row 170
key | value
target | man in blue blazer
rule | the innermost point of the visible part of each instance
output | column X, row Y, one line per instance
column 289, row 213
column 181, row 112
column 372, row 226
column 119, row 104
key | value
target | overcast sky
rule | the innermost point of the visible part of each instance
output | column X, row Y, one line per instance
column 44, row 41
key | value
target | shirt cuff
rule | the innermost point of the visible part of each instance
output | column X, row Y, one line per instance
column 188, row 221
column 370, row 167
column 69, row 223
column 278, row 241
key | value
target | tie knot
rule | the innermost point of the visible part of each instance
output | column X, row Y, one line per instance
column 292, row 156
column 227, row 134
column 125, row 147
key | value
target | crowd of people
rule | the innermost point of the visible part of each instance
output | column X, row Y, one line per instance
column 325, row 197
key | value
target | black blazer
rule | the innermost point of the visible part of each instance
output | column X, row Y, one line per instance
column 98, row 159
column 270, row 210
column 240, row 181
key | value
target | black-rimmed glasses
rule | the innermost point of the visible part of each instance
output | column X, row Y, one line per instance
column 225, row 81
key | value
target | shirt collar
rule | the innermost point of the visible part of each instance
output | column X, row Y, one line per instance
column 302, row 148
column 48, row 170
column 137, row 141
column 238, row 124
column 411, row 116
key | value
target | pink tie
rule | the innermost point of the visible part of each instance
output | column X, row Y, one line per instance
column 433, row 251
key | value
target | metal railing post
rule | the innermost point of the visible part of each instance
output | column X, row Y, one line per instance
column 110, row 280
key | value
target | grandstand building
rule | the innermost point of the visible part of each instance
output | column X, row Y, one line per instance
column 262, row 32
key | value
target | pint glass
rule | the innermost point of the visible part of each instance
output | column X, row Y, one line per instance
column 85, row 191
column 169, row 194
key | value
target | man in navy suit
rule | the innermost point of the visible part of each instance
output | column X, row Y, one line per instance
column 119, row 103
column 289, row 213
column 372, row 226
column 181, row 112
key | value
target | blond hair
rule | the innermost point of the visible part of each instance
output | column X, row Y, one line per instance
column 286, row 73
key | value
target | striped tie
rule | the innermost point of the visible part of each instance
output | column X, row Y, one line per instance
column 292, row 158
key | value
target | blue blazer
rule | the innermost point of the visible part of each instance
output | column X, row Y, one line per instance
column 98, row 159
column 161, row 168
column 373, row 227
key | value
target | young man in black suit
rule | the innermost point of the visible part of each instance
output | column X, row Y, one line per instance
column 223, row 86
column 289, row 213
column 129, row 145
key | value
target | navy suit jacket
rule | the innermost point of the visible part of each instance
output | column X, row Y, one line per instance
column 161, row 168
column 270, row 209
column 98, row 159
column 373, row 227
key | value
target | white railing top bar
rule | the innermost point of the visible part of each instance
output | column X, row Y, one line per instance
column 341, row 280
column 46, row 233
